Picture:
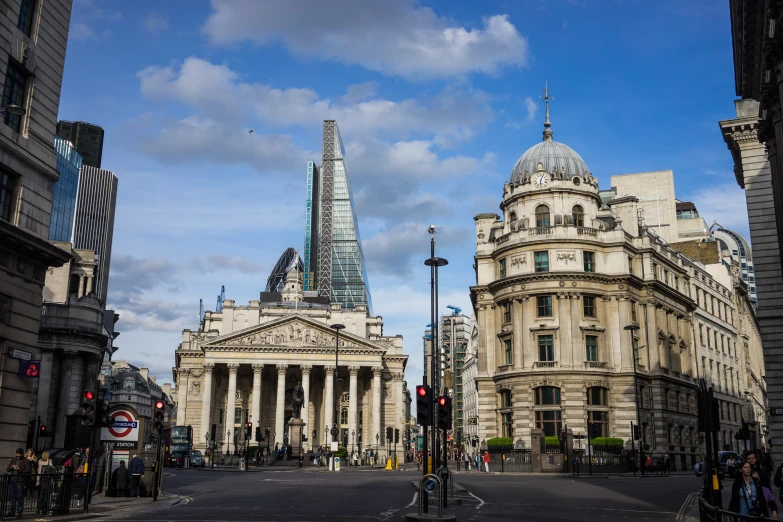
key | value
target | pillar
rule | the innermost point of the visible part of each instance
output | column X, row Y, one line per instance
column 329, row 401
column 231, row 402
column 652, row 337
column 206, row 401
column 376, row 406
column 280, row 428
column 529, row 347
column 353, row 400
column 255, row 411
column 562, row 339
column 182, row 395
column 516, row 321
column 62, row 400
column 306, row 368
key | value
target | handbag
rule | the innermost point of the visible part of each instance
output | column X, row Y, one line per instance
column 755, row 509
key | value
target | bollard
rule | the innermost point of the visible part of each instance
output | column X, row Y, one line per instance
column 426, row 481
column 502, row 462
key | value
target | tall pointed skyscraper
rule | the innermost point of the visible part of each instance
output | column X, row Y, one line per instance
column 334, row 261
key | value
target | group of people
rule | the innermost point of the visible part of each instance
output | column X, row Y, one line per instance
column 124, row 478
column 365, row 458
column 661, row 466
column 751, row 492
column 470, row 461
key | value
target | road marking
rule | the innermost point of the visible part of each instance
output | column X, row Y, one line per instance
column 681, row 512
column 415, row 496
column 481, row 502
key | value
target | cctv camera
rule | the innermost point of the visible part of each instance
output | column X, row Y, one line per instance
column 431, row 230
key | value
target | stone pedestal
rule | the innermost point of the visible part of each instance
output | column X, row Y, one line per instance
column 295, row 432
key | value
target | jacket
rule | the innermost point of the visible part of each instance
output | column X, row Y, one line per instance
column 734, row 504
column 136, row 466
column 121, row 478
column 25, row 466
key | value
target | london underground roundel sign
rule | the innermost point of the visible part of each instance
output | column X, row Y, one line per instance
column 124, row 429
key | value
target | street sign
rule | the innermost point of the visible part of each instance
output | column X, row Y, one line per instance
column 20, row 354
column 337, row 463
column 430, row 485
column 776, row 411
column 125, row 428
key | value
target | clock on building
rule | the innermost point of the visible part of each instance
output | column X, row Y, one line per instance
column 540, row 180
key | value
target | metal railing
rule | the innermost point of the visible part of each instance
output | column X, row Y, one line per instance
column 587, row 231
column 541, row 231
column 47, row 494
column 510, row 459
column 710, row 513
column 546, row 364
column 595, row 364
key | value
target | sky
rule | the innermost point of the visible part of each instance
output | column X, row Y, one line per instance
column 435, row 101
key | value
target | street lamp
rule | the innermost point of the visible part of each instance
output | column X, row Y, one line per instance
column 228, row 436
column 353, row 442
column 12, row 110
column 377, row 443
column 632, row 328
column 336, row 327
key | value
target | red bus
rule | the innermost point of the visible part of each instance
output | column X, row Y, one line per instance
column 178, row 441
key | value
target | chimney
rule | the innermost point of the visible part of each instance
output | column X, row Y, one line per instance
column 145, row 373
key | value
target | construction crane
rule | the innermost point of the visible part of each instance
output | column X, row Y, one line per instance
column 457, row 310
column 200, row 310
column 220, row 298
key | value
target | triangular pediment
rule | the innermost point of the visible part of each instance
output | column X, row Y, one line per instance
column 293, row 331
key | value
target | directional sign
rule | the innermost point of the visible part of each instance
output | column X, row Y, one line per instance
column 430, row 485
column 124, row 428
column 19, row 354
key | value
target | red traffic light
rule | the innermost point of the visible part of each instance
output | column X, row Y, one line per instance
column 89, row 395
column 442, row 401
column 159, row 405
column 249, row 424
column 421, row 390
column 43, row 429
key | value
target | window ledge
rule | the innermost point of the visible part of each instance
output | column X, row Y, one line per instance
column 595, row 364
column 546, row 364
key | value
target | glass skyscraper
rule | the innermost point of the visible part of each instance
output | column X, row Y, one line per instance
column 334, row 262
column 69, row 163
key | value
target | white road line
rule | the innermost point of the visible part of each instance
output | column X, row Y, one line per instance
column 681, row 513
column 415, row 496
column 481, row 502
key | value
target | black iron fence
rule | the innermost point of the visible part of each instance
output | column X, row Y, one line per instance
column 710, row 513
column 510, row 459
column 52, row 493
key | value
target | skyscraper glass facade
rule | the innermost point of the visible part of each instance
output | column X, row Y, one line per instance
column 334, row 261
column 69, row 163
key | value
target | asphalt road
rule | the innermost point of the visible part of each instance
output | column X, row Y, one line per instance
column 308, row 495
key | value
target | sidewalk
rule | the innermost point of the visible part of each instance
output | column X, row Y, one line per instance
column 100, row 507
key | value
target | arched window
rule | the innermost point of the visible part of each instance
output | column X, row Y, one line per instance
column 579, row 215
column 597, row 412
column 512, row 216
column 542, row 216
column 548, row 414
column 344, row 416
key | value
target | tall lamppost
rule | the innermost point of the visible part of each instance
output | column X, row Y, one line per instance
column 336, row 327
column 377, row 443
column 632, row 329
column 353, row 443
column 434, row 263
column 228, row 436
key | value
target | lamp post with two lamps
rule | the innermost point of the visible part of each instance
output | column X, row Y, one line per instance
column 632, row 329
column 336, row 327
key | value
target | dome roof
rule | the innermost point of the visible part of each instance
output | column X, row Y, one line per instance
column 553, row 156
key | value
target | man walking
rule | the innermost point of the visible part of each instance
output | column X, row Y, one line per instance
column 136, row 469
column 19, row 468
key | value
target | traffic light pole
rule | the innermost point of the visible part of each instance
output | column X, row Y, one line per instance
column 157, row 468
column 95, row 424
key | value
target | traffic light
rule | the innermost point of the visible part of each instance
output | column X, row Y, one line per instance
column 423, row 405
column 389, row 434
column 442, row 413
column 637, row 433
column 43, row 430
column 258, row 433
column 249, row 431
column 158, row 418
column 396, row 435
column 88, row 408
column 102, row 414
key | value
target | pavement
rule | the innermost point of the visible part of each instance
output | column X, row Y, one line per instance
column 363, row 494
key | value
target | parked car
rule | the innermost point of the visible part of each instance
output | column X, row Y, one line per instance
column 723, row 457
column 177, row 459
column 197, row 460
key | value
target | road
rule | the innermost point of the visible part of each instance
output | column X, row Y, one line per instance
column 310, row 495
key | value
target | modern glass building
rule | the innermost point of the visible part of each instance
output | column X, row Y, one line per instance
column 288, row 260
column 87, row 138
column 334, row 261
column 69, row 163
column 740, row 251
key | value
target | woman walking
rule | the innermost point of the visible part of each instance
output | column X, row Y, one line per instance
column 747, row 497
column 45, row 487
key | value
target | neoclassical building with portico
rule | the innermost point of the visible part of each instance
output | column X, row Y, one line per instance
column 242, row 364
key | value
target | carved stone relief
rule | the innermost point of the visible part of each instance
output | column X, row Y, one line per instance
column 564, row 257
column 195, row 387
column 518, row 261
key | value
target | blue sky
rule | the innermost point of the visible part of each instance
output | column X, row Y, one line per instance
column 435, row 100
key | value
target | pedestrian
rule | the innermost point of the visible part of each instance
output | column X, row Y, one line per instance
column 649, row 463
column 19, row 468
column 30, row 487
column 752, row 458
column 772, row 507
column 136, row 469
column 476, row 462
column 45, row 488
column 486, row 461
column 667, row 464
column 466, row 458
column 121, row 480
column 766, row 466
column 747, row 496
column 317, row 459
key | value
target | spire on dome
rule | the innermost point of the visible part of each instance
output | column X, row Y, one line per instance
column 547, row 126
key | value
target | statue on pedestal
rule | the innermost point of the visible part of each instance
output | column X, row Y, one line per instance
column 298, row 400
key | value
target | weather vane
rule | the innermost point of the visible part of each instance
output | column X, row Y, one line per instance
column 547, row 125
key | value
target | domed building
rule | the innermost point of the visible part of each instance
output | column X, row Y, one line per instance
column 559, row 277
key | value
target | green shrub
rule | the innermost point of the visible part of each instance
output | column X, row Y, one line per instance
column 342, row 452
column 552, row 440
column 500, row 442
column 607, row 441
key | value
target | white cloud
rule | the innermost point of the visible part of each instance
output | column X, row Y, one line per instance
column 155, row 22
column 531, row 107
column 394, row 37
column 724, row 204
column 217, row 91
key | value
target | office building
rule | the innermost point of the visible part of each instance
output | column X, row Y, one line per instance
column 86, row 138
column 334, row 261
column 94, row 226
column 35, row 36
column 69, row 163
column 288, row 260
column 454, row 339
column 734, row 246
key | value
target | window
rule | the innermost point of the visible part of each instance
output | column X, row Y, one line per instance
column 506, row 419
column 589, row 305
column 546, row 349
column 505, row 399
column 512, row 216
column 596, row 396
column 633, row 312
column 221, row 416
column 344, row 416
column 502, row 267
column 548, row 420
column 6, row 195
column 508, row 351
column 26, row 11
column 542, row 216
column 589, row 261
column 665, row 276
column 507, row 312
column 547, row 396
column 542, row 261
column 579, row 216
column 709, row 338
column 544, row 305
column 13, row 94
column 676, row 283
column 591, row 348
column 237, row 415
column 630, row 265
column 701, row 334
column 655, row 270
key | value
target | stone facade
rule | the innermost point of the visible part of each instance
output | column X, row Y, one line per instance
column 470, row 395
column 36, row 53
column 243, row 363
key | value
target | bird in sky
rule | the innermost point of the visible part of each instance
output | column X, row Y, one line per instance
column 250, row 131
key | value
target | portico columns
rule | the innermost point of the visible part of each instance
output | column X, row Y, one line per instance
column 206, row 401
column 376, row 405
column 255, row 412
column 182, row 394
column 352, row 403
column 231, row 400
column 280, row 409
column 306, row 368
column 62, row 406
column 329, row 401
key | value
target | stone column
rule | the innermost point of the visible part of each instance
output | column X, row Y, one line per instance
column 652, row 337
column 376, row 405
column 182, row 393
column 306, row 369
column 397, row 418
column 604, row 319
column 231, row 401
column 516, row 321
column 353, row 396
column 206, row 402
column 329, row 400
column 280, row 427
column 529, row 346
column 562, row 338
column 66, row 370
column 255, row 411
